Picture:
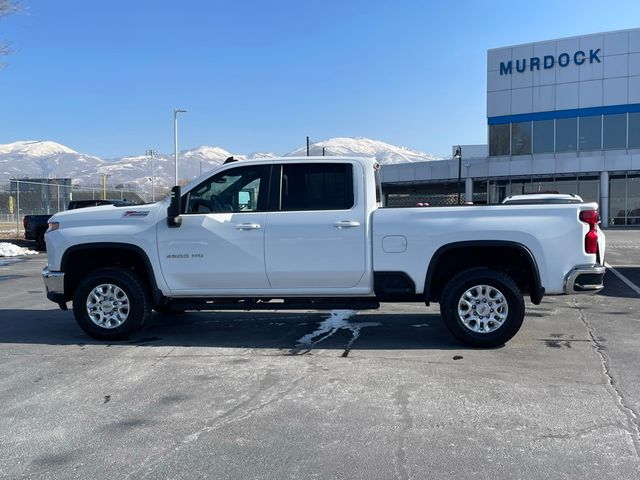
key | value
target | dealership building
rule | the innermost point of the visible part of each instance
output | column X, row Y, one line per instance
column 562, row 115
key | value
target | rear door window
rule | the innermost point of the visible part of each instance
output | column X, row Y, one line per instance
column 316, row 186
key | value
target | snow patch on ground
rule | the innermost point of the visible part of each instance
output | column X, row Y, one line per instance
column 11, row 250
column 338, row 320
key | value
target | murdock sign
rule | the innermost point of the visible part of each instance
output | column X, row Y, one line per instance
column 549, row 61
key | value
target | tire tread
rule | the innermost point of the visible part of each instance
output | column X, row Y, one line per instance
column 449, row 301
column 138, row 296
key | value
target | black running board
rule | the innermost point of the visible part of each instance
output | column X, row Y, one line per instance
column 322, row 303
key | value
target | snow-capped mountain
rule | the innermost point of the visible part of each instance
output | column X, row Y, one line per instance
column 35, row 148
column 47, row 159
column 384, row 153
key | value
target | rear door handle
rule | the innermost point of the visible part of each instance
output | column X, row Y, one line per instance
column 247, row 226
column 346, row 224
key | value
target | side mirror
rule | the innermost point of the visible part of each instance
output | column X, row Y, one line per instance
column 173, row 210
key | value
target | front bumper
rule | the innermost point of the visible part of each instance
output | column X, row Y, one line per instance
column 585, row 279
column 54, row 284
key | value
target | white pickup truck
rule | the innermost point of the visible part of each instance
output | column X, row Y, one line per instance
column 312, row 233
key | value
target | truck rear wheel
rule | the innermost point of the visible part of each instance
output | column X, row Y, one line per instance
column 111, row 304
column 482, row 307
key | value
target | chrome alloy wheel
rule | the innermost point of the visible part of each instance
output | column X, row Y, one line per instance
column 108, row 306
column 483, row 309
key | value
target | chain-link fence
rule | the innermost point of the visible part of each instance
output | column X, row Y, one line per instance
column 433, row 200
column 20, row 197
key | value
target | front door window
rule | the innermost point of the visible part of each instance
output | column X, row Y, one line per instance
column 232, row 191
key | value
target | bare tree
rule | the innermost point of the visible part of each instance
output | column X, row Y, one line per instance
column 7, row 7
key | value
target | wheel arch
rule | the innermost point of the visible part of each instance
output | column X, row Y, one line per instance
column 78, row 260
column 454, row 257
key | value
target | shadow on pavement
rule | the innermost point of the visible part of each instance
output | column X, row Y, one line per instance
column 268, row 330
column 614, row 287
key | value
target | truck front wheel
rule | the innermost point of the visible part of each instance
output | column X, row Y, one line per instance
column 482, row 307
column 111, row 304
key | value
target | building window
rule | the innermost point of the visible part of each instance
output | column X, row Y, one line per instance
column 634, row 130
column 624, row 199
column 566, row 185
column 543, row 136
column 521, row 138
column 633, row 199
column 618, row 200
column 589, row 189
column 499, row 140
column 590, row 129
column 566, row 134
column 520, row 186
column 614, row 132
column 544, row 185
column 497, row 190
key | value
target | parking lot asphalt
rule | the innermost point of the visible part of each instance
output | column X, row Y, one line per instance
column 386, row 394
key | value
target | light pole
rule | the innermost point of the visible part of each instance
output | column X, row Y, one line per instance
column 17, row 206
column 458, row 155
column 103, row 181
column 152, row 154
column 176, row 111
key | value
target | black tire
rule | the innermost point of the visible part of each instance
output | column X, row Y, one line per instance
column 40, row 241
column 499, row 324
column 136, row 310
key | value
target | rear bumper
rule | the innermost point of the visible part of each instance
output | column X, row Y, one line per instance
column 585, row 279
column 54, row 284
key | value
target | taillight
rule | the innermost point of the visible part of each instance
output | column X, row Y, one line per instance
column 591, row 238
column 24, row 222
column 590, row 216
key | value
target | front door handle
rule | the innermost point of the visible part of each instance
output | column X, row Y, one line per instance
column 346, row 224
column 247, row 226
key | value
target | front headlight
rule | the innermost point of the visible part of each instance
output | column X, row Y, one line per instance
column 53, row 226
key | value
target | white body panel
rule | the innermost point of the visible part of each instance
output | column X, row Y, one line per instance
column 320, row 249
column 212, row 252
column 304, row 253
column 311, row 250
column 108, row 224
column 552, row 233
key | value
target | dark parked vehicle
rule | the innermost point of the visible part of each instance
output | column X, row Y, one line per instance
column 34, row 228
column 73, row 204
column 36, row 225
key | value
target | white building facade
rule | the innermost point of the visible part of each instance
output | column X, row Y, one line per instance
column 562, row 115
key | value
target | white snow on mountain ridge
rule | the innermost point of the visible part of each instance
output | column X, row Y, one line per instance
column 35, row 148
column 384, row 153
column 47, row 159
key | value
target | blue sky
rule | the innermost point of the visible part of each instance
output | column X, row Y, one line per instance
column 103, row 77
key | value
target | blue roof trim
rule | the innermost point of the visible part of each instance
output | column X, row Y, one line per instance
column 575, row 112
